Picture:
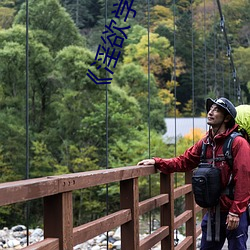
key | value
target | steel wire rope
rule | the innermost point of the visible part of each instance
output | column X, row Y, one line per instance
column 229, row 83
column 27, row 206
column 205, row 51
column 149, row 118
column 106, row 121
column 175, row 95
column 237, row 88
column 205, row 48
column 221, row 46
column 174, row 78
column 192, row 71
column 215, row 52
column 222, row 68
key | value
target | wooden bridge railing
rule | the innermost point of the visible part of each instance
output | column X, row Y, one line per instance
column 59, row 232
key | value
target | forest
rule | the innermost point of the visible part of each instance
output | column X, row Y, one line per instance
column 55, row 120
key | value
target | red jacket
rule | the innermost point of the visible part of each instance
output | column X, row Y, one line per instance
column 241, row 167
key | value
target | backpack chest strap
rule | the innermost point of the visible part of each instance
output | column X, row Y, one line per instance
column 217, row 159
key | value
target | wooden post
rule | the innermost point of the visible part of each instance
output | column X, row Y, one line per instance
column 167, row 210
column 129, row 197
column 58, row 219
column 190, row 205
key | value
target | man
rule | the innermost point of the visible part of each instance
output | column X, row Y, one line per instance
column 221, row 115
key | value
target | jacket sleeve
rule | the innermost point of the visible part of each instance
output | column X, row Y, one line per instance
column 183, row 163
column 241, row 175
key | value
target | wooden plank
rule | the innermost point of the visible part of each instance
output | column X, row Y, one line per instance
column 90, row 230
column 152, row 203
column 58, row 219
column 182, row 218
column 167, row 210
column 185, row 244
column 178, row 192
column 154, row 238
column 190, row 205
column 24, row 190
column 99, row 177
column 198, row 231
column 46, row 244
column 129, row 195
column 198, row 209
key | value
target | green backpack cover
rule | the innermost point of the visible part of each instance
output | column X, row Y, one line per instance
column 243, row 119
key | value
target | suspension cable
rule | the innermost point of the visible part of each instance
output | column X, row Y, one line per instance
column 175, row 95
column 174, row 75
column 192, row 76
column 107, row 122
column 222, row 68
column 215, row 52
column 205, row 50
column 229, row 53
column 27, row 207
column 149, row 120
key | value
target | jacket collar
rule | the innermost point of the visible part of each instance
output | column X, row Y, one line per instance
column 221, row 136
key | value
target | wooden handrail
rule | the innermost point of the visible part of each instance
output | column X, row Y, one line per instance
column 56, row 191
column 24, row 190
column 90, row 230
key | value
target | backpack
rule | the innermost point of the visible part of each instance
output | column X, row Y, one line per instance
column 206, row 179
column 206, row 185
column 243, row 120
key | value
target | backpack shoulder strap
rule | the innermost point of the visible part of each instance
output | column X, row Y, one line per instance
column 203, row 152
column 227, row 148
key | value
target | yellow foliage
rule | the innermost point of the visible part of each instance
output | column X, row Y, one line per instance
column 162, row 12
column 195, row 134
column 172, row 84
column 6, row 17
column 236, row 4
column 211, row 8
column 203, row 114
column 161, row 15
column 188, row 108
column 173, row 111
column 166, row 23
column 166, row 96
column 179, row 66
column 160, row 53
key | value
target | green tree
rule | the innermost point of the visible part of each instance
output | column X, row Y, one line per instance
column 132, row 78
column 42, row 163
column 13, row 148
column 242, row 64
column 160, row 54
column 13, row 60
column 40, row 67
column 85, row 14
column 53, row 25
column 12, row 125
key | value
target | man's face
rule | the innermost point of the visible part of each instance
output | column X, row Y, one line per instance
column 215, row 116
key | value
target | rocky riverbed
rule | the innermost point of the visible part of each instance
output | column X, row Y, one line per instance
column 16, row 238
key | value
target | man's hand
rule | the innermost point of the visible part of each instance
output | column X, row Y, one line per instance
column 146, row 162
column 232, row 221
